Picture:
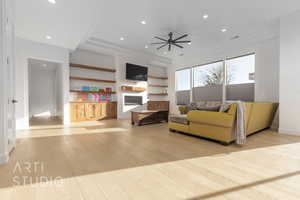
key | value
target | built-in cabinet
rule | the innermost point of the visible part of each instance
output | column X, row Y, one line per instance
column 92, row 111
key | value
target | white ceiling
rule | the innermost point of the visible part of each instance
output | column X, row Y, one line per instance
column 67, row 22
column 71, row 22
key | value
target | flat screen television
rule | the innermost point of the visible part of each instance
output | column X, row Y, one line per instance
column 136, row 72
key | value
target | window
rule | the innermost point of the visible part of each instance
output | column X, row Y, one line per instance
column 208, row 75
column 206, row 82
column 241, row 70
column 183, row 80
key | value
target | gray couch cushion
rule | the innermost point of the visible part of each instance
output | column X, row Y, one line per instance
column 211, row 108
column 181, row 119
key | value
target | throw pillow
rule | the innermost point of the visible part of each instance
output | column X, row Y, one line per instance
column 225, row 107
column 192, row 106
column 210, row 108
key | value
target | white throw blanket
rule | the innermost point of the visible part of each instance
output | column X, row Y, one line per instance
column 240, row 129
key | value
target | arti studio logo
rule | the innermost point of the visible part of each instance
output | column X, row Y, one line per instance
column 32, row 173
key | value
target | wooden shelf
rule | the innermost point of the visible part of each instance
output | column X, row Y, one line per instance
column 91, row 79
column 157, row 77
column 86, row 92
column 158, row 94
column 163, row 86
column 91, row 67
column 133, row 89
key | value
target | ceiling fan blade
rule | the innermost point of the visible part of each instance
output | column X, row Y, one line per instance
column 161, row 39
column 178, row 45
column 158, row 43
column 162, row 46
column 186, row 41
column 169, row 47
column 181, row 37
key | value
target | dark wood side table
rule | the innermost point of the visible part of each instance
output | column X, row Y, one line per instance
column 143, row 117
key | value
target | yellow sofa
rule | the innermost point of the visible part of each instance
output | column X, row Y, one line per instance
column 220, row 126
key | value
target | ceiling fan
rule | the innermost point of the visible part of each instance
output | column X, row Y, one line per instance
column 169, row 42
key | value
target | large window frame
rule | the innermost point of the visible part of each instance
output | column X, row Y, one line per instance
column 224, row 82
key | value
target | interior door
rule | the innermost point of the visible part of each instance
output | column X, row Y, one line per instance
column 10, row 69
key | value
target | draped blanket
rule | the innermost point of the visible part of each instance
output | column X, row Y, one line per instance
column 240, row 129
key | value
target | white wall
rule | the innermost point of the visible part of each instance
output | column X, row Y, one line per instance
column 266, row 67
column 267, row 71
column 117, row 60
column 25, row 50
column 44, row 92
column 289, row 74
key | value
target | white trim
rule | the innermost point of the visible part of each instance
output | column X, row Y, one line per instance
column 4, row 158
column 289, row 132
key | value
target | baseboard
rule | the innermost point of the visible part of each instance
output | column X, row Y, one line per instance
column 289, row 132
column 3, row 158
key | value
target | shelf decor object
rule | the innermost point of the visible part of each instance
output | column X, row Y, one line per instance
column 80, row 91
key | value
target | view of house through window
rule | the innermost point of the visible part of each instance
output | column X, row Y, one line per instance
column 209, row 78
column 241, row 70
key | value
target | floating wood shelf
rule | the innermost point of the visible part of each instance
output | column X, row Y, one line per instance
column 158, row 94
column 92, row 67
column 91, row 79
column 163, row 86
column 133, row 89
column 157, row 77
column 79, row 91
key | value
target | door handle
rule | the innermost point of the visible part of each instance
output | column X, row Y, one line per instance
column 14, row 101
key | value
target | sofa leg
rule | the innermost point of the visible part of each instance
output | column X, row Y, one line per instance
column 225, row 143
column 171, row 130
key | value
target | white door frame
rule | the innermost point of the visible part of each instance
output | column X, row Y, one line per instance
column 7, row 114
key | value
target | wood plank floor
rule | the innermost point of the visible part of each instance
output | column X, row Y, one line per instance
column 113, row 160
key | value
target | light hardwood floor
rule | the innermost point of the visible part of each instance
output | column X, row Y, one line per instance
column 113, row 160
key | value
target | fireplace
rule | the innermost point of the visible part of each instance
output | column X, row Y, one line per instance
column 133, row 100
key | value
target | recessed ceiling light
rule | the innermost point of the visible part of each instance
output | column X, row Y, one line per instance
column 190, row 43
column 146, row 47
column 224, row 30
column 52, row 1
column 143, row 22
column 121, row 38
column 205, row 16
column 48, row 37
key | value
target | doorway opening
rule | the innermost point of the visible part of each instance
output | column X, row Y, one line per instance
column 45, row 93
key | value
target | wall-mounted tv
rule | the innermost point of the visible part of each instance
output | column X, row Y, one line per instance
column 136, row 72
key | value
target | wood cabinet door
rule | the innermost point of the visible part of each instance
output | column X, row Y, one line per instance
column 112, row 109
column 91, row 111
column 77, row 112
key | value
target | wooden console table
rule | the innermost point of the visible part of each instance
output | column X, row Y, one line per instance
column 149, row 116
